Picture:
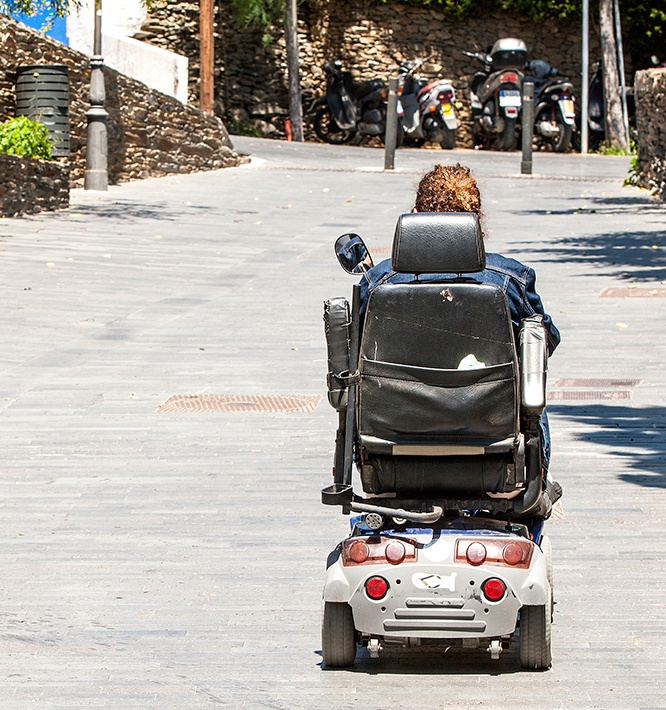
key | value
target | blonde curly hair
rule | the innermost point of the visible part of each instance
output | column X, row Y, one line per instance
column 448, row 188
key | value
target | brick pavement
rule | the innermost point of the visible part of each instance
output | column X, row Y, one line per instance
column 168, row 560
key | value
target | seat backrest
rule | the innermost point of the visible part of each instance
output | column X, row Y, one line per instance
column 413, row 388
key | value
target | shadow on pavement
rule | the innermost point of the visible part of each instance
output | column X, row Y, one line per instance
column 635, row 434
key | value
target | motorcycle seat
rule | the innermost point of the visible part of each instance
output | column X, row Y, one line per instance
column 360, row 91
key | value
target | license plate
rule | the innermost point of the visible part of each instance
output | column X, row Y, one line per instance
column 448, row 109
column 567, row 108
column 509, row 98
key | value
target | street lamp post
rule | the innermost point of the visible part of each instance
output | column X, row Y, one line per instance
column 96, row 176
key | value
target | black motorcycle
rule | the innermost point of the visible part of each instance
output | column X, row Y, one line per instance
column 496, row 94
column 350, row 108
column 554, row 108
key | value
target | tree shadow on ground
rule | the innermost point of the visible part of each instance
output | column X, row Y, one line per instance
column 634, row 434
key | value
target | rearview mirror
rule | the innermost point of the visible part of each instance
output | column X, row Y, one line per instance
column 352, row 254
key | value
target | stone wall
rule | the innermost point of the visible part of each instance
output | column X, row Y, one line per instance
column 251, row 77
column 650, row 93
column 28, row 186
column 150, row 134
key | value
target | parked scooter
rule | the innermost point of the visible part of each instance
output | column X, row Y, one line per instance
column 350, row 107
column 429, row 108
column 554, row 113
column 496, row 94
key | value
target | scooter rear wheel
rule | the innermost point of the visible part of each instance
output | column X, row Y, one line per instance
column 449, row 139
column 562, row 141
column 338, row 635
column 328, row 130
column 535, row 632
column 506, row 140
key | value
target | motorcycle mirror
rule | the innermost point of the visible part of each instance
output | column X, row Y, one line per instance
column 352, row 254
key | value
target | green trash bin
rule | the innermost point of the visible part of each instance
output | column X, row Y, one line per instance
column 42, row 94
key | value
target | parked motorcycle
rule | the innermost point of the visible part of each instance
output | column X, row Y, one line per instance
column 496, row 94
column 349, row 107
column 554, row 112
column 428, row 108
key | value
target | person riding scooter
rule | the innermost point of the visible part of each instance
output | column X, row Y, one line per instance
column 454, row 189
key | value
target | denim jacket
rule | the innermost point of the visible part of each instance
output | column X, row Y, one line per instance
column 516, row 280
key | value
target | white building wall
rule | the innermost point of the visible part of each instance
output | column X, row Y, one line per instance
column 158, row 68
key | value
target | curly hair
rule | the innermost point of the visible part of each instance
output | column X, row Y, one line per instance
column 448, row 188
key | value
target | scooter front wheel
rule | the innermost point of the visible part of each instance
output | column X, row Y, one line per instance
column 535, row 631
column 338, row 635
column 328, row 130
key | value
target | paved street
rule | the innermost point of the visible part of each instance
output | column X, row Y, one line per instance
column 175, row 560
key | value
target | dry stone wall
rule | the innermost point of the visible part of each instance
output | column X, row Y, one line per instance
column 251, row 77
column 29, row 186
column 650, row 94
column 150, row 134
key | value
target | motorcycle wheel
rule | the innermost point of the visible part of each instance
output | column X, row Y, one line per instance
column 562, row 141
column 449, row 139
column 507, row 138
column 327, row 129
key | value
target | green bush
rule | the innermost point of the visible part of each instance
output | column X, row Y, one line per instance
column 21, row 136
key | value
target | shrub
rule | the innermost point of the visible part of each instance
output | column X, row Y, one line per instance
column 21, row 136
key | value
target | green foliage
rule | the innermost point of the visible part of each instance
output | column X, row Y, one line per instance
column 21, row 136
column 613, row 149
column 631, row 173
column 258, row 13
column 51, row 9
column 243, row 128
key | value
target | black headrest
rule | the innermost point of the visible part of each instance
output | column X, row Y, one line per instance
column 438, row 242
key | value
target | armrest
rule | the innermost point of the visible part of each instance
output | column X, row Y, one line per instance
column 533, row 365
column 337, row 327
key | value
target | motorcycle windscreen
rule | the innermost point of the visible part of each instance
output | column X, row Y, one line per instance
column 342, row 107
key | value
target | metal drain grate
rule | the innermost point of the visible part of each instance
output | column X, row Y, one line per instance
column 633, row 293
column 558, row 511
column 240, row 403
column 570, row 382
column 580, row 395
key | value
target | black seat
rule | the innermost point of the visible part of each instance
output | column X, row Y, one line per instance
column 428, row 425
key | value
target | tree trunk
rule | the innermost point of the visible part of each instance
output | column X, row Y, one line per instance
column 291, row 38
column 614, row 124
column 206, row 49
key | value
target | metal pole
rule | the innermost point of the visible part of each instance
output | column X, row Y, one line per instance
column 96, row 176
column 291, row 39
column 528, row 127
column 391, row 124
column 585, row 78
column 620, row 62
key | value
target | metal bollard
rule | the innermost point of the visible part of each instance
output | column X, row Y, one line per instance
column 391, row 124
column 528, row 128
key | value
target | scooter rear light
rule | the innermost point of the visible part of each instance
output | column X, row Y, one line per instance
column 377, row 550
column 476, row 554
column 493, row 589
column 509, row 77
column 500, row 551
column 512, row 554
column 395, row 552
column 376, row 588
column 359, row 552
column 445, row 96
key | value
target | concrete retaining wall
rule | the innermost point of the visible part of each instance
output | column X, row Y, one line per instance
column 150, row 134
column 29, row 186
column 650, row 92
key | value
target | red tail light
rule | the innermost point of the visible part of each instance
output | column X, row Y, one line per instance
column 509, row 77
column 493, row 589
column 445, row 96
column 496, row 551
column 376, row 588
column 378, row 550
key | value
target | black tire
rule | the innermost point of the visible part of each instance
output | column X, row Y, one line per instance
column 547, row 550
column 449, row 139
column 327, row 129
column 507, row 138
column 535, row 631
column 338, row 635
column 561, row 142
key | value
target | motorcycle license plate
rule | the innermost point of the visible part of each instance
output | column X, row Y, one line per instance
column 447, row 109
column 568, row 110
column 509, row 97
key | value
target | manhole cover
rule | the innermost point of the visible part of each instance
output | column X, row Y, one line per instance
column 633, row 293
column 558, row 511
column 240, row 403
column 579, row 395
column 570, row 382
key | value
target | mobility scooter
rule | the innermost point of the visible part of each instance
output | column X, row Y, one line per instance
column 438, row 424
